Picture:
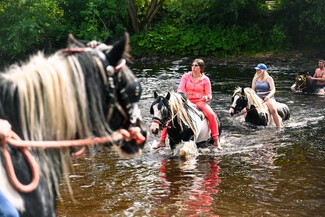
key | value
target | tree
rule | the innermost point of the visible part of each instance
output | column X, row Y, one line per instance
column 143, row 12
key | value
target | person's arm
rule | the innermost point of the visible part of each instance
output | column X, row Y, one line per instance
column 207, row 91
column 272, row 87
column 254, row 84
column 182, row 85
column 318, row 79
column 314, row 77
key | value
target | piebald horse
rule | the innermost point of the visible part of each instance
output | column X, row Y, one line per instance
column 184, row 121
column 256, row 112
column 77, row 94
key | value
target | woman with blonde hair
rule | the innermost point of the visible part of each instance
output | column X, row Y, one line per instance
column 264, row 86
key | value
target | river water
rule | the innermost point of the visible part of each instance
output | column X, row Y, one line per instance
column 260, row 172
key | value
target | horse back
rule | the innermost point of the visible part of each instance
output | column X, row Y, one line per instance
column 283, row 111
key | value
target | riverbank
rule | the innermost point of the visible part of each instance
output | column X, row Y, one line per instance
column 301, row 61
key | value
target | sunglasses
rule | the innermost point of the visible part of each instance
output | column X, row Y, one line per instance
column 195, row 65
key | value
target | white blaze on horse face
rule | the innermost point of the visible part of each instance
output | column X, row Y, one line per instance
column 233, row 105
column 135, row 113
column 10, row 193
column 154, row 127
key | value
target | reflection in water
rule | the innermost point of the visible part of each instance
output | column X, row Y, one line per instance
column 189, row 186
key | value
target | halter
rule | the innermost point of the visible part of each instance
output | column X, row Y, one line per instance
column 164, row 122
column 304, row 81
column 133, row 90
column 243, row 96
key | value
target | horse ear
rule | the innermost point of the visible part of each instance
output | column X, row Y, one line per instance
column 168, row 96
column 120, row 50
column 73, row 42
column 155, row 94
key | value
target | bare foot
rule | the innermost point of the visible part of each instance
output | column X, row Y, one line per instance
column 217, row 145
column 161, row 144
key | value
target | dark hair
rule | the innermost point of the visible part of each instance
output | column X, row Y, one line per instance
column 200, row 62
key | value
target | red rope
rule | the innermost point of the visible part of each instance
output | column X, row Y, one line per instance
column 10, row 137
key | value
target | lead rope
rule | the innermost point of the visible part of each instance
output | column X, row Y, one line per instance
column 7, row 136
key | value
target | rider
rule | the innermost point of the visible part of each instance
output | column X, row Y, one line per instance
column 264, row 86
column 319, row 77
column 197, row 86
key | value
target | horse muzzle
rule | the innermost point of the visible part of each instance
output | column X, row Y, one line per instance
column 232, row 112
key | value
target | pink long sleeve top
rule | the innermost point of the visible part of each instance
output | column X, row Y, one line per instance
column 195, row 90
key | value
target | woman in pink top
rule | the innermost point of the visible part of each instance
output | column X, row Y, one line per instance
column 197, row 86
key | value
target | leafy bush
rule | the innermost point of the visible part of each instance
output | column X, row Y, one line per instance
column 202, row 41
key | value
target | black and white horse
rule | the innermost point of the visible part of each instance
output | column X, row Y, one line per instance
column 256, row 111
column 184, row 121
column 304, row 83
column 76, row 94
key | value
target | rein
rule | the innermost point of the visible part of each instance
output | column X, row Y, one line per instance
column 7, row 136
column 160, row 122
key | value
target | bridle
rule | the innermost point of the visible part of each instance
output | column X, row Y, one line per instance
column 302, row 78
column 166, row 114
column 243, row 97
column 112, row 78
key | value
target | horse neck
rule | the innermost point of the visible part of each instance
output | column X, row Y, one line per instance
column 253, row 99
column 178, row 109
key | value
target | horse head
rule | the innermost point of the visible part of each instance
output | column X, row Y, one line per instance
column 123, row 90
column 304, row 83
column 160, row 109
column 239, row 101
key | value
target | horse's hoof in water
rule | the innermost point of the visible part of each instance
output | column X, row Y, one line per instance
column 156, row 145
column 217, row 145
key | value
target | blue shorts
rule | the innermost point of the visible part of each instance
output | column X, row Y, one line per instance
column 6, row 209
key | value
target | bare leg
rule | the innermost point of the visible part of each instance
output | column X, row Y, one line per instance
column 273, row 110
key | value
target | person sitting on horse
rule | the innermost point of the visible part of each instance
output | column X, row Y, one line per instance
column 197, row 86
column 319, row 77
column 264, row 86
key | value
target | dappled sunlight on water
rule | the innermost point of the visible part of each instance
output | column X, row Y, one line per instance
column 260, row 172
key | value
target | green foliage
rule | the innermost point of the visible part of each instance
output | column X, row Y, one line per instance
column 181, row 27
column 277, row 39
column 197, row 41
column 28, row 24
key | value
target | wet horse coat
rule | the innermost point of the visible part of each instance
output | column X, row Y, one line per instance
column 77, row 93
column 184, row 121
column 256, row 112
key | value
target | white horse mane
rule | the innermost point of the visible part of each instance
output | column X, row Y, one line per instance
column 52, row 106
column 252, row 98
column 177, row 107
